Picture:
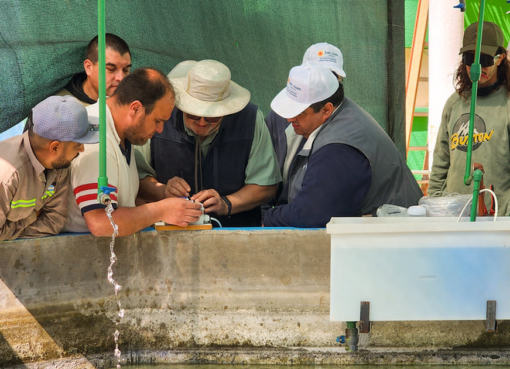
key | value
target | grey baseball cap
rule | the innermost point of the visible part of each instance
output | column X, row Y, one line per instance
column 64, row 118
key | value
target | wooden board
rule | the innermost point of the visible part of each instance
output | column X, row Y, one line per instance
column 420, row 32
column 167, row 227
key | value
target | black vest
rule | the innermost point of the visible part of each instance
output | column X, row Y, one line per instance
column 223, row 169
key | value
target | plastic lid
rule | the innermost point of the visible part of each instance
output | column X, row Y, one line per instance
column 417, row 211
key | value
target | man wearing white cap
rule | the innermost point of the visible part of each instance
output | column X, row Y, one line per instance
column 140, row 105
column 320, row 55
column 215, row 148
column 340, row 162
column 33, row 168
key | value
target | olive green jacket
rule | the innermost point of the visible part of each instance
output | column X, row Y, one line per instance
column 491, row 146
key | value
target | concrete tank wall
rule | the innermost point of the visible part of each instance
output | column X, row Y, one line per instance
column 199, row 290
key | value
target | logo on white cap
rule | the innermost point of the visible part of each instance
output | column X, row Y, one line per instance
column 294, row 90
column 325, row 55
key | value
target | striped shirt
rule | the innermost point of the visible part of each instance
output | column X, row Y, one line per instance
column 120, row 170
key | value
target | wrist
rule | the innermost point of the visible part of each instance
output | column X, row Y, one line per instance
column 163, row 192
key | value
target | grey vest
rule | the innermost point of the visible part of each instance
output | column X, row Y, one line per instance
column 392, row 181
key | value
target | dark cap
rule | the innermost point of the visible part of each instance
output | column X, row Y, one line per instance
column 492, row 38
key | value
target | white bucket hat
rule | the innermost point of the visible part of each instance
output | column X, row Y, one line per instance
column 306, row 85
column 205, row 89
column 325, row 55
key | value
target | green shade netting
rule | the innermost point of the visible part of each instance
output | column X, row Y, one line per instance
column 495, row 11
column 42, row 43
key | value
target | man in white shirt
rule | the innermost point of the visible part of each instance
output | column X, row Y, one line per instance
column 142, row 102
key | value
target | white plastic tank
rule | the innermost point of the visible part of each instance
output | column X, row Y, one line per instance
column 417, row 268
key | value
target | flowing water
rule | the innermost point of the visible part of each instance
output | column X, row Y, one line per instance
column 116, row 286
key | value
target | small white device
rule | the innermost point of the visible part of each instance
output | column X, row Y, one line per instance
column 204, row 218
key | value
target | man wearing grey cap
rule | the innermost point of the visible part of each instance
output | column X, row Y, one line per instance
column 339, row 162
column 33, row 168
column 491, row 138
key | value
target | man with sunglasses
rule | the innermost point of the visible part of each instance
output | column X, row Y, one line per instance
column 215, row 148
column 491, row 141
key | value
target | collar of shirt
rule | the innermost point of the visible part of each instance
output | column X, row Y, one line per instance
column 127, row 151
column 309, row 142
column 295, row 143
column 111, row 127
column 38, row 167
column 204, row 145
column 110, row 124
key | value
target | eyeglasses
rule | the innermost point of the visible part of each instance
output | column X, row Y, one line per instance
column 485, row 60
column 211, row 120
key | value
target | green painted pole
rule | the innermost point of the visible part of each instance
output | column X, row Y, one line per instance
column 102, row 181
column 477, row 175
column 475, row 77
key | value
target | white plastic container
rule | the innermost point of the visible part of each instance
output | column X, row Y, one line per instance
column 417, row 211
column 419, row 268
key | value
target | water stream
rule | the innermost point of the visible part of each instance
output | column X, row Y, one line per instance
column 113, row 258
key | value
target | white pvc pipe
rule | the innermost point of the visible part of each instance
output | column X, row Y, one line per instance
column 446, row 29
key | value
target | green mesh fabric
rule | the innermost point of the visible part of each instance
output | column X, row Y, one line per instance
column 495, row 11
column 42, row 43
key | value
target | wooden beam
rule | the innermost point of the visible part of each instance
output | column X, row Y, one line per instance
column 420, row 31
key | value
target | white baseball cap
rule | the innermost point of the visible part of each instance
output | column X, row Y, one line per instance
column 306, row 85
column 325, row 55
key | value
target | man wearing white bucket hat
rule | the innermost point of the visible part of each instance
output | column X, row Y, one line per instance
column 33, row 168
column 320, row 55
column 339, row 161
column 215, row 147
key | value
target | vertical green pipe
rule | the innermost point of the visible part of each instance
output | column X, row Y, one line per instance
column 475, row 77
column 102, row 181
column 477, row 175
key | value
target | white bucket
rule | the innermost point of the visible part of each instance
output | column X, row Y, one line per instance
column 419, row 268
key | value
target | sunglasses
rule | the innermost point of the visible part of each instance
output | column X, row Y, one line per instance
column 211, row 120
column 485, row 60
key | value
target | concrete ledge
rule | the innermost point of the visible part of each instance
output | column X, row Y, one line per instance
column 323, row 356
column 229, row 296
column 288, row 356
